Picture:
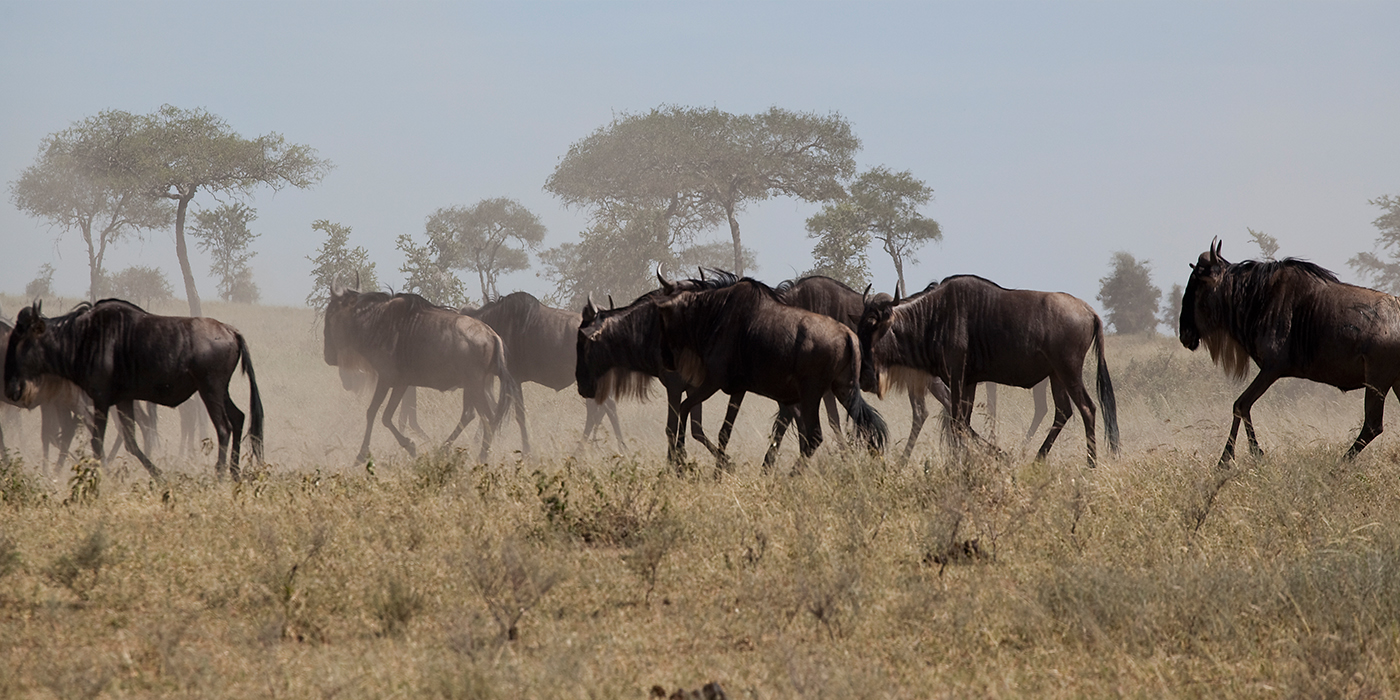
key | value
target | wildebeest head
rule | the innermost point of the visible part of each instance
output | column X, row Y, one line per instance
column 338, row 307
column 24, row 358
column 1196, row 320
column 611, row 344
column 874, row 324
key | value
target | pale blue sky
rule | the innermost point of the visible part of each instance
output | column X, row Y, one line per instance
column 1051, row 133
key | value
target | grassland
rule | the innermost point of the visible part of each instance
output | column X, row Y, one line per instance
column 577, row 572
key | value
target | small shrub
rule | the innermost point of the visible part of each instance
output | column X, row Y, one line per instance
column 613, row 511
column 396, row 605
column 511, row 578
column 86, row 483
column 18, row 486
column 650, row 546
column 9, row 556
column 91, row 555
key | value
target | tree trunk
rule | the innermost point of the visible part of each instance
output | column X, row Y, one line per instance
column 738, row 246
column 94, row 264
column 182, row 252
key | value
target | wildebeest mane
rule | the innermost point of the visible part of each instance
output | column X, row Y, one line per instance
column 1259, row 299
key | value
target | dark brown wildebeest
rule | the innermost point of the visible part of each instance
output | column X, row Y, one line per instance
column 741, row 338
column 833, row 298
column 541, row 347
column 967, row 329
column 618, row 353
column 408, row 341
column 117, row 353
column 1293, row 319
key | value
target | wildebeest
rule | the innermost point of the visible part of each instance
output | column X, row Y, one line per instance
column 541, row 347
column 618, row 353
column 117, row 353
column 408, row 341
column 833, row 298
column 62, row 407
column 1293, row 319
column 967, row 329
column 741, row 338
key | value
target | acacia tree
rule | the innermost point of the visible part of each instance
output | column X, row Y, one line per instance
column 883, row 206
column 186, row 151
column 223, row 233
column 1268, row 245
column 678, row 170
column 1128, row 296
column 428, row 270
column 141, row 284
column 842, row 239
column 478, row 238
column 77, row 183
column 1383, row 272
column 338, row 263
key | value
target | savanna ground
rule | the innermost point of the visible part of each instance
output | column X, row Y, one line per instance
column 581, row 572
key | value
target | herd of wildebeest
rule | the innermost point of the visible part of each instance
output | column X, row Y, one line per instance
column 800, row 343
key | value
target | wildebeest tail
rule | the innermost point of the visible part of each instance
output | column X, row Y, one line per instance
column 255, row 407
column 1107, row 403
column 870, row 425
column 510, row 388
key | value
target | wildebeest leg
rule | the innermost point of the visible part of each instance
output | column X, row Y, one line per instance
column 1374, row 423
column 395, row 398
column 991, row 388
column 610, row 407
column 1243, row 404
column 1080, row 395
column 1062, row 411
column 675, row 426
column 99, row 432
column 483, row 406
column 725, row 430
column 786, row 414
column 408, row 413
column 834, row 418
column 127, row 423
column 920, row 410
column 469, row 411
column 809, row 425
column 1038, row 395
column 520, row 420
column 235, row 421
column 216, row 404
column 380, row 391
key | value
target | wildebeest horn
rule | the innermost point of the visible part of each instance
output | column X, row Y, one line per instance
column 666, row 285
column 897, row 295
column 702, row 272
column 590, row 305
column 611, row 305
column 865, row 295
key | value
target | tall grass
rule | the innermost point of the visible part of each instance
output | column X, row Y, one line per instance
column 589, row 574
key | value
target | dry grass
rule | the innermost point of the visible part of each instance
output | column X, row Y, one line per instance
column 592, row 575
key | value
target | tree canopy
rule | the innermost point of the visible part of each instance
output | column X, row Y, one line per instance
column 223, row 233
column 1128, row 295
column 1383, row 266
column 656, row 180
column 185, row 151
column 79, row 182
column 884, row 206
column 338, row 263
column 842, row 240
column 480, row 238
